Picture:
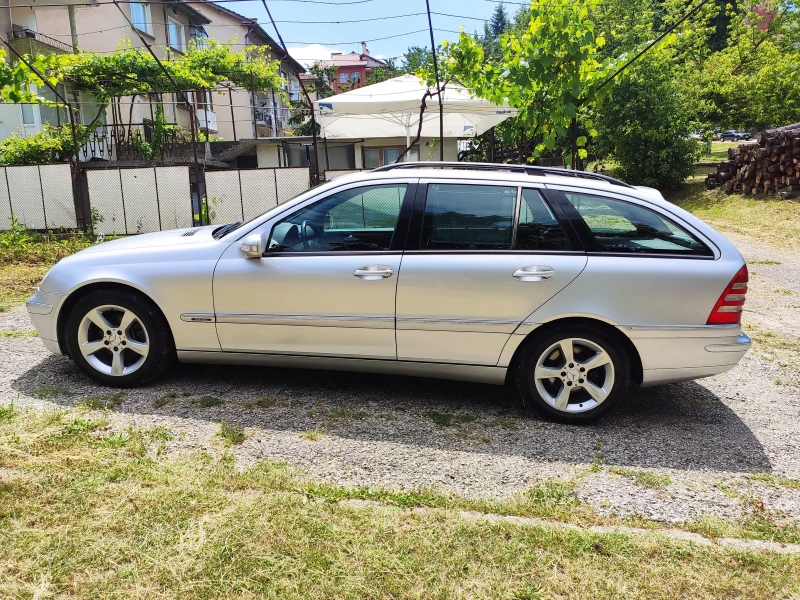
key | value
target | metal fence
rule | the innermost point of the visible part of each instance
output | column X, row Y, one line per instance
column 38, row 196
column 240, row 195
column 140, row 200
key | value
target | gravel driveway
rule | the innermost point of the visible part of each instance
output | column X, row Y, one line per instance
column 671, row 453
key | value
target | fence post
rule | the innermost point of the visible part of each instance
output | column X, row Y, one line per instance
column 41, row 191
column 277, row 198
column 158, row 199
column 80, row 197
column 8, row 189
column 241, row 192
column 122, row 196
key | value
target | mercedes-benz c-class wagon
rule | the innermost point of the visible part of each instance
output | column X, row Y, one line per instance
column 567, row 284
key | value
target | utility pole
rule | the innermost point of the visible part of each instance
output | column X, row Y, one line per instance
column 305, row 93
column 438, row 87
column 75, row 147
column 185, row 100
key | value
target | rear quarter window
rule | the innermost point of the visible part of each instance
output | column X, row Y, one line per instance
column 623, row 227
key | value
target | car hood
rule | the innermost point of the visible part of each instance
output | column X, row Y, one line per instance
column 160, row 239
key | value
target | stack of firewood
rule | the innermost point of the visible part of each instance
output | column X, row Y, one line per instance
column 771, row 165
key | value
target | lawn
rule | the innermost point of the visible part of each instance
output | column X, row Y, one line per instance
column 719, row 152
column 86, row 512
column 764, row 218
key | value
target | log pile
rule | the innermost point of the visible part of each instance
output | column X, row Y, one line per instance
column 769, row 166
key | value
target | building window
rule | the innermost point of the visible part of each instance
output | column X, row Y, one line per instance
column 344, row 77
column 140, row 16
column 199, row 35
column 176, row 37
column 378, row 157
column 355, row 77
column 203, row 100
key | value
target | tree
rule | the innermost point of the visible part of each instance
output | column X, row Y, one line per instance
column 319, row 86
column 645, row 124
column 497, row 25
column 549, row 72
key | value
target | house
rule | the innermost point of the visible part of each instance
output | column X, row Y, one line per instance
column 168, row 27
column 352, row 69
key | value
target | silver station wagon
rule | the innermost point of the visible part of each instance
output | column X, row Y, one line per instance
column 568, row 284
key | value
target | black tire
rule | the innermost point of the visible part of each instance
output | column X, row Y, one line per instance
column 535, row 349
column 161, row 347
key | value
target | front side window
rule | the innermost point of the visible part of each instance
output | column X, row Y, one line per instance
column 200, row 36
column 176, row 39
column 344, row 77
column 468, row 217
column 140, row 16
column 619, row 226
column 538, row 227
column 358, row 219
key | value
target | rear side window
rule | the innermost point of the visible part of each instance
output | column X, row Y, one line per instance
column 538, row 228
column 619, row 226
column 468, row 217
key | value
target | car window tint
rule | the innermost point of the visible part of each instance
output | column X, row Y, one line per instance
column 468, row 217
column 357, row 219
column 624, row 227
column 538, row 228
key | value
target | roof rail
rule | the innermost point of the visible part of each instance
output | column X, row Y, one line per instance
column 528, row 169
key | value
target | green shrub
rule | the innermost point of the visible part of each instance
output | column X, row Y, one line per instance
column 50, row 145
column 645, row 125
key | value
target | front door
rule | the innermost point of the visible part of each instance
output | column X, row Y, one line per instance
column 481, row 258
column 325, row 285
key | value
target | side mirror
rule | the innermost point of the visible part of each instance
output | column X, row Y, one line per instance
column 252, row 246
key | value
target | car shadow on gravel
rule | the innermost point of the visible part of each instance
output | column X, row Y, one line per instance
column 681, row 426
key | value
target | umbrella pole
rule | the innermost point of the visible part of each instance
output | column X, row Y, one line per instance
column 408, row 141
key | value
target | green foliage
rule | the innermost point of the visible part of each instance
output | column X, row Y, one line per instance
column 133, row 71
column 50, row 145
column 549, row 69
column 19, row 245
column 645, row 125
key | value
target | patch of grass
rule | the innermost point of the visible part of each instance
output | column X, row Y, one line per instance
column 18, row 282
column 231, row 434
column 208, row 401
column 449, row 420
column 646, row 479
column 764, row 262
column 780, row 349
column 93, row 521
column 774, row 481
column 103, row 402
column 263, row 402
column 165, row 399
column 719, row 151
column 7, row 413
column 158, row 433
column 342, row 414
column 764, row 218
column 312, row 435
column 80, row 427
column 19, row 333
column 506, row 422
column 784, row 292
column 47, row 392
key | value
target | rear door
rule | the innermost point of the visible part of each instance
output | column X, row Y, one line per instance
column 480, row 258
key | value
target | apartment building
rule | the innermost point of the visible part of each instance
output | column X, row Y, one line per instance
column 352, row 68
column 168, row 27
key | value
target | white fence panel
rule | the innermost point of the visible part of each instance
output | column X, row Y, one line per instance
column 258, row 191
column 141, row 200
column 174, row 197
column 57, row 191
column 105, row 198
column 25, row 189
column 223, row 194
column 291, row 181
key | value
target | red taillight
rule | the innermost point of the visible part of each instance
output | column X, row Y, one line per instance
column 728, row 309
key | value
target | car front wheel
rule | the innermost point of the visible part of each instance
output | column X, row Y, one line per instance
column 118, row 338
column 574, row 374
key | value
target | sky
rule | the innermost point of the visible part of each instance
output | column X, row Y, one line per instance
column 314, row 29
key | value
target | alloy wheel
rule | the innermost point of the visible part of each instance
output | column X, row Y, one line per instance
column 574, row 375
column 113, row 340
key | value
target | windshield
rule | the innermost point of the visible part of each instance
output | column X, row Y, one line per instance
column 224, row 230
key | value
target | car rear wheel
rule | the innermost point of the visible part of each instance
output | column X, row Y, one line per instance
column 573, row 374
column 118, row 338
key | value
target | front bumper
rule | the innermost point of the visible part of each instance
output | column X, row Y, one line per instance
column 43, row 311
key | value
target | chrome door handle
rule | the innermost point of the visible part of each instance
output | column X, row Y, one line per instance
column 534, row 273
column 374, row 272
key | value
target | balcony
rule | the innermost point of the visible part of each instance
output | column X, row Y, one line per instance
column 27, row 41
column 207, row 120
